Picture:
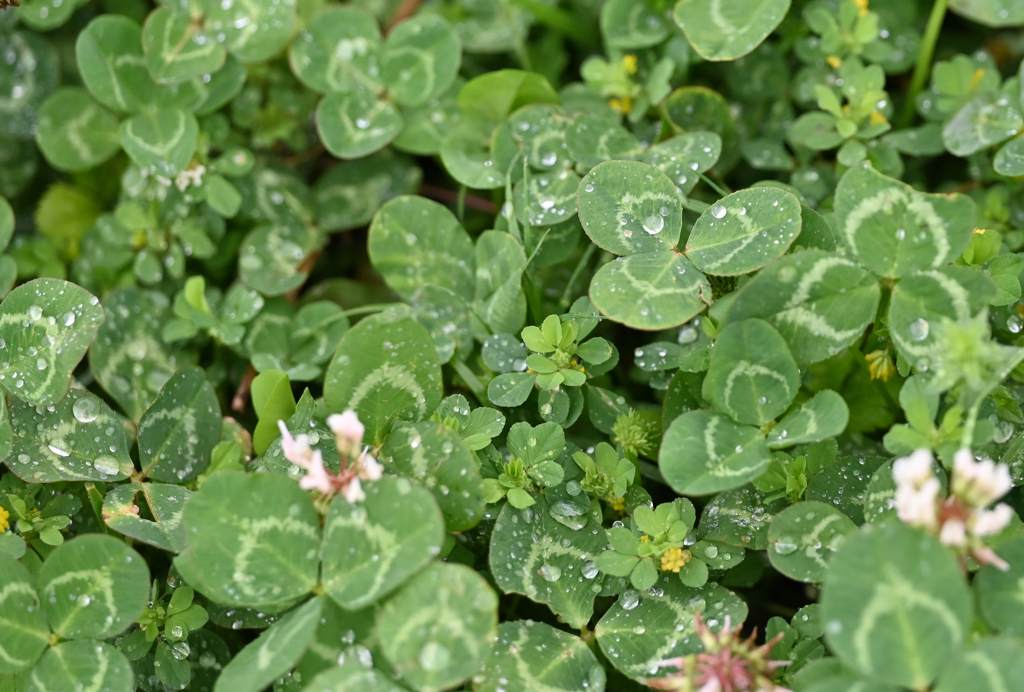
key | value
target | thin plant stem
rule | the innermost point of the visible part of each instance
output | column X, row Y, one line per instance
column 584, row 261
column 924, row 61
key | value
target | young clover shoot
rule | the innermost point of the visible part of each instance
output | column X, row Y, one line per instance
column 728, row 663
column 356, row 465
column 606, row 475
column 960, row 518
column 167, row 622
column 531, row 465
column 653, row 542
column 557, row 359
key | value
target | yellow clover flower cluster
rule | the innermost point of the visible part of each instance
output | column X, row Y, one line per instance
column 674, row 559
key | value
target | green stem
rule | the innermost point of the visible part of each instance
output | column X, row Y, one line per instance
column 472, row 381
column 967, row 437
column 367, row 309
column 924, row 61
column 584, row 261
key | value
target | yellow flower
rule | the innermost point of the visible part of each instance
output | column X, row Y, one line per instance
column 980, row 230
column 622, row 105
column 834, row 61
column 877, row 118
column 619, row 504
column 976, row 78
column 629, row 64
column 862, row 7
column 674, row 559
column 880, row 365
column 4, row 514
column 644, row 539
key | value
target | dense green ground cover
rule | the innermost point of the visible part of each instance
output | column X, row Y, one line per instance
column 511, row 345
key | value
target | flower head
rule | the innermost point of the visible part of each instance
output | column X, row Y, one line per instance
column 674, row 559
column 348, row 432
column 727, row 664
column 960, row 519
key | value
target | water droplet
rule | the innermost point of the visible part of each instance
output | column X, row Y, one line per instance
column 783, row 547
column 550, row 572
column 85, row 410
column 919, row 329
column 1014, row 324
column 654, row 223
column 434, row 656
column 711, row 551
column 35, row 312
column 629, row 599
column 687, row 335
column 718, row 211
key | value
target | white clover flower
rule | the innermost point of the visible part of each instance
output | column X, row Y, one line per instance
column 917, row 506
column 980, row 483
column 353, row 491
column 296, row 449
column 991, row 521
column 954, row 533
column 369, row 468
column 189, row 177
column 348, row 431
column 913, row 470
column 317, row 476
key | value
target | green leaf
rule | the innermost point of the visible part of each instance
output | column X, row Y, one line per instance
column 46, row 325
column 995, row 14
column 511, row 389
column 591, row 139
column 500, row 263
column 79, row 439
column 987, row 119
column 752, row 375
column 349, row 194
column 822, row 416
column 684, row 156
column 177, row 48
column 74, row 132
column 164, row 501
column 252, row 31
column 23, row 629
column 626, row 24
column 1009, row 160
column 893, row 229
column 93, row 587
column 111, row 62
column 273, row 400
column 273, row 653
column 355, row 123
column 179, row 431
column 352, row 677
column 744, row 231
column 803, row 538
column 641, row 631
column 337, row 51
column 728, row 29
column 385, row 370
column 993, row 663
column 162, row 142
column 628, row 207
column 420, row 59
column 67, row 665
column 1001, row 594
column 531, row 655
column 6, row 222
column 372, row 547
column 436, row 457
column 493, row 95
column 650, row 290
column 556, row 569
column 547, row 198
column 819, row 302
column 739, row 518
column 535, row 444
column 128, row 358
column 924, row 299
column 272, row 257
column 896, row 605
column 47, row 14
column 438, row 629
column 250, row 540
column 705, row 452
column 223, row 197
column 844, row 483
column 415, row 241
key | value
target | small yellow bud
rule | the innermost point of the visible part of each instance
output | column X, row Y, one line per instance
column 629, row 64
column 644, row 539
column 880, row 365
column 834, row 61
column 622, row 105
column 4, row 515
column 862, row 7
column 980, row 230
column 674, row 559
column 619, row 504
column 976, row 77
column 877, row 118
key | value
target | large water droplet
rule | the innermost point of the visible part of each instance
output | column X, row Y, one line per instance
column 919, row 329
column 687, row 335
column 785, row 547
column 718, row 211
column 85, row 410
column 654, row 223
column 550, row 572
column 434, row 656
